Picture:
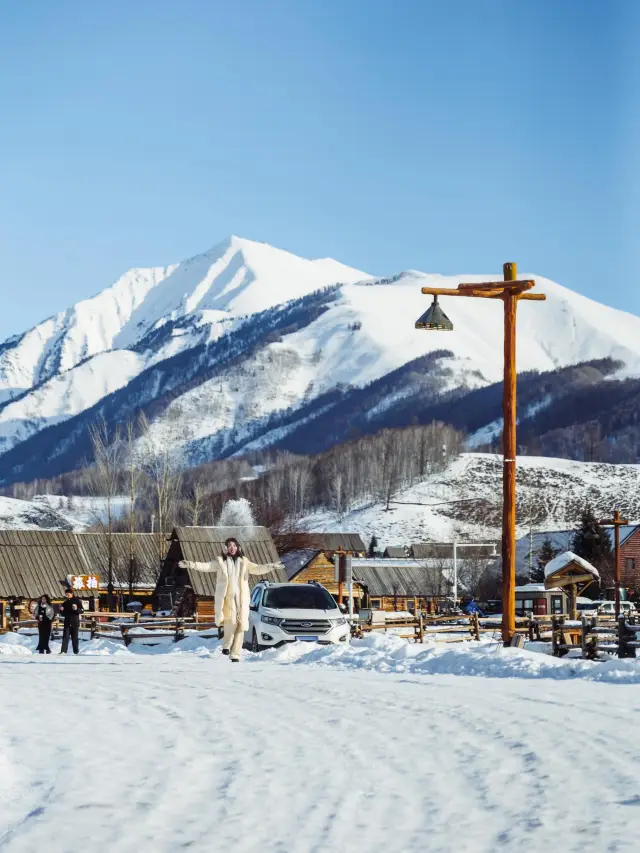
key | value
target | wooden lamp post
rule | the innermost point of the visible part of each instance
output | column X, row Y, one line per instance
column 617, row 522
column 510, row 291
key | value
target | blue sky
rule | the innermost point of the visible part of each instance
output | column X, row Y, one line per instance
column 390, row 134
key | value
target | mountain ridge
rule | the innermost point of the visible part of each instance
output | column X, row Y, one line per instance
column 313, row 328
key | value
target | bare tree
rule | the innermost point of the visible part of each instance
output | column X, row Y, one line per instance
column 161, row 463
column 104, row 480
column 133, row 476
column 194, row 501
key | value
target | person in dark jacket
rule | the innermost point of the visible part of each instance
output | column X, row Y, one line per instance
column 71, row 610
column 44, row 614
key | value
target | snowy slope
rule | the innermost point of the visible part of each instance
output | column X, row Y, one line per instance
column 101, row 346
column 551, row 494
column 367, row 332
column 37, row 514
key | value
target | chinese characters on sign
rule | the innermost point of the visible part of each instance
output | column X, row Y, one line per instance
column 79, row 583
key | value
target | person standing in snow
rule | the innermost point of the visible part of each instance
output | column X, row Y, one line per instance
column 71, row 610
column 232, row 592
column 44, row 614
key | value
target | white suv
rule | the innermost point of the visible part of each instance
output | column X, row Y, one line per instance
column 285, row 612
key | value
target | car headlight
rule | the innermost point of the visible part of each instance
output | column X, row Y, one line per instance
column 271, row 620
column 341, row 620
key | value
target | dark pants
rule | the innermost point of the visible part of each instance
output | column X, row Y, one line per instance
column 44, row 635
column 70, row 630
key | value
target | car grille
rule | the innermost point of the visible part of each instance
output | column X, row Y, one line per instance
column 306, row 626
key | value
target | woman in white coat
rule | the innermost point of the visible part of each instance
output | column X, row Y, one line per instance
column 232, row 592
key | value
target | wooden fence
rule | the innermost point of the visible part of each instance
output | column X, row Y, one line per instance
column 123, row 627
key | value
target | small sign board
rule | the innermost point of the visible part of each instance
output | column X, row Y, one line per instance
column 84, row 583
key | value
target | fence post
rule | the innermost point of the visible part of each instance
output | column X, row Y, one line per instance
column 179, row 634
column 420, row 627
column 476, row 626
column 625, row 636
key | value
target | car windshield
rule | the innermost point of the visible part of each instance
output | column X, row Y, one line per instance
column 299, row 598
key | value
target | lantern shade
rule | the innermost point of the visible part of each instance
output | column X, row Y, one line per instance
column 435, row 318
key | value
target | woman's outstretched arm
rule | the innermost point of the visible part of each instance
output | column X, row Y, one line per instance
column 199, row 567
column 255, row 569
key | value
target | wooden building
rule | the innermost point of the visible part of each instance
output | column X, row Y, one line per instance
column 535, row 600
column 37, row 562
column 400, row 584
column 329, row 543
column 191, row 593
column 380, row 583
column 395, row 552
column 135, row 562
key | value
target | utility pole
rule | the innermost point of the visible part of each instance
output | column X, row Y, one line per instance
column 510, row 291
column 617, row 522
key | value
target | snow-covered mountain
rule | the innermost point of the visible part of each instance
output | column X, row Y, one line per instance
column 247, row 345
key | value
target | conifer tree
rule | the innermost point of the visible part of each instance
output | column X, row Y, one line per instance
column 592, row 542
column 544, row 555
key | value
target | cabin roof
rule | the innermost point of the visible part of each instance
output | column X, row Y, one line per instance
column 35, row 562
column 334, row 541
column 394, row 552
column 295, row 561
column 95, row 547
column 397, row 577
column 563, row 561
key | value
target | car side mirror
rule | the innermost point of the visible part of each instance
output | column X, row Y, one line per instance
column 253, row 607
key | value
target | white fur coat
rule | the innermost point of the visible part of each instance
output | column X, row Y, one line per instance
column 226, row 593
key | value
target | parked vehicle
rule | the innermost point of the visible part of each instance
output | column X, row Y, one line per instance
column 286, row 612
column 608, row 608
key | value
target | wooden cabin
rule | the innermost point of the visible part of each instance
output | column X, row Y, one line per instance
column 400, row 584
column 329, row 543
column 135, row 560
column 35, row 562
column 378, row 583
column 395, row 552
column 191, row 593
column 39, row 562
column 534, row 599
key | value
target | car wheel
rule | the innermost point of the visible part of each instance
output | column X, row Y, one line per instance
column 255, row 645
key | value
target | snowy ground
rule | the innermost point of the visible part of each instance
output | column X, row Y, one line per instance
column 317, row 750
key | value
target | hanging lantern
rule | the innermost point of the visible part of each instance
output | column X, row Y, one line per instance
column 435, row 318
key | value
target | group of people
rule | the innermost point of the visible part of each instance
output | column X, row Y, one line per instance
column 44, row 613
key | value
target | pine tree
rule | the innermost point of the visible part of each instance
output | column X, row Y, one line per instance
column 544, row 555
column 373, row 546
column 591, row 541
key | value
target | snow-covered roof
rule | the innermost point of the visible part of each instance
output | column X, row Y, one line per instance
column 564, row 559
column 295, row 561
column 536, row 587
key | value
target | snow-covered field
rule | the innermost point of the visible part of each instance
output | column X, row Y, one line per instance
column 382, row 745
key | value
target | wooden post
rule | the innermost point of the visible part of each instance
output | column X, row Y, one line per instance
column 340, row 574
column 510, row 290
column 510, row 300
column 616, row 539
column 617, row 521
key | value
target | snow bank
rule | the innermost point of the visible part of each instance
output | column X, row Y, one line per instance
column 382, row 653
column 389, row 653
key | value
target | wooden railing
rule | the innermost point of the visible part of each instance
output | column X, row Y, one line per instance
column 124, row 627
